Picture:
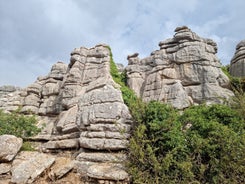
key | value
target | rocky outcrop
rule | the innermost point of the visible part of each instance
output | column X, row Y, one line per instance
column 33, row 166
column 81, row 108
column 183, row 72
column 85, row 122
column 9, row 147
column 4, row 90
column 102, row 166
column 237, row 66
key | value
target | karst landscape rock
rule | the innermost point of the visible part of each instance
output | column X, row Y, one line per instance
column 86, row 125
column 237, row 66
column 185, row 71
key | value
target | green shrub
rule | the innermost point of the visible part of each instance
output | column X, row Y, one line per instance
column 238, row 103
column 27, row 146
column 18, row 124
column 236, row 84
column 157, row 150
column 206, row 144
column 216, row 143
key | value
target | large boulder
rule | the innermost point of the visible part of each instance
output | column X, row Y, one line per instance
column 237, row 67
column 30, row 165
column 9, row 147
column 185, row 71
column 103, row 167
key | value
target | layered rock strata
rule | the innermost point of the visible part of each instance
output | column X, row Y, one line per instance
column 237, row 66
column 4, row 90
column 80, row 107
column 183, row 72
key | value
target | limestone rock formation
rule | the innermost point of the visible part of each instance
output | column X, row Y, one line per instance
column 4, row 90
column 9, row 147
column 120, row 67
column 85, row 122
column 237, row 66
column 5, row 168
column 183, row 72
column 28, row 170
column 80, row 107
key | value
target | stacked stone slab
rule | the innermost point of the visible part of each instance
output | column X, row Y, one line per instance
column 5, row 90
column 81, row 107
column 237, row 67
column 183, row 72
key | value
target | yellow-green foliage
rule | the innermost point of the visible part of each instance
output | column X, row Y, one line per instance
column 27, row 146
column 237, row 84
column 129, row 96
column 18, row 124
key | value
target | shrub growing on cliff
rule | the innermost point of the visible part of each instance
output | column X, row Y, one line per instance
column 129, row 96
column 237, row 84
column 17, row 124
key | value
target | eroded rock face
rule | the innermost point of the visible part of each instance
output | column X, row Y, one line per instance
column 33, row 166
column 237, row 67
column 81, row 97
column 183, row 72
column 4, row 90
column 9, row 147
column 81, row 107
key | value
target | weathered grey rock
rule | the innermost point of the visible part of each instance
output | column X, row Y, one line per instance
column 61, row 144
column 26, row 171
column 79, row 106
column 101, row 157
column 67, row 121
column 6, row 89
column 61, row 167
column 102, row 166
column 99, row 101
column 9, row 147
column 237, row 66
column 11, row 101
column 5, row 168
column 81, row 97
column 183, row 72
column 108, row 172
column 58, row 71
column 103, row 144
column 120, row 67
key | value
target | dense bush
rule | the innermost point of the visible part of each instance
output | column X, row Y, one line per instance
column 18, row 124
column 204, row 144
column 216, row 143
column 157, row 150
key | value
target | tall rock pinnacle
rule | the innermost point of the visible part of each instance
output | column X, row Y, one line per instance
column 237, row 67
column 183, row 72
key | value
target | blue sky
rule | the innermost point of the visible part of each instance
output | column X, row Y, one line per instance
column 36, row 34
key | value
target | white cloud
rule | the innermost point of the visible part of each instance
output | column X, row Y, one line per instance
column 36, row 34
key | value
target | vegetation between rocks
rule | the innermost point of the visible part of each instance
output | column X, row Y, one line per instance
column 204, row 144
column 19, row 125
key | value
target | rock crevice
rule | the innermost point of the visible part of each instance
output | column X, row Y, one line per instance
column 185, row 71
